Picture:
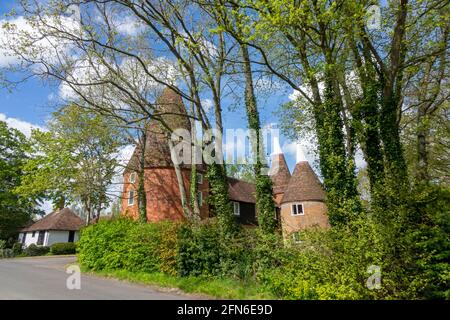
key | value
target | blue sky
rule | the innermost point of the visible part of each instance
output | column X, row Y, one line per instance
column 30, row 104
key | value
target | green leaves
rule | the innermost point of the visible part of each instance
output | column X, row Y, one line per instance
column 15, row 209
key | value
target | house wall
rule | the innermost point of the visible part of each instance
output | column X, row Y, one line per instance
column 163, row 195
column 277, row 199
column 54, row 236
column 315, row 214
column 50, row 237
column 247, row 213
column 29, row 239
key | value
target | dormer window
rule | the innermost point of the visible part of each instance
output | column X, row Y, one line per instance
column 297, row 209
column 133, row 177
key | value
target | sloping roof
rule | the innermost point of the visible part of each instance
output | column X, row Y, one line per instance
column 242, row 191
column 171, row 112
column 279, row 173
column 304, row 185
column 64, row 219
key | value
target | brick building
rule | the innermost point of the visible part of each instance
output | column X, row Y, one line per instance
column 302, row 192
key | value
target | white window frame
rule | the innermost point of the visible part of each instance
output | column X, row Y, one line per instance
column 296, row 206
column 133, row 177
column 238, row 206
column 296, row 239
column 130, row 198
column 199, row 178
column 200, row 198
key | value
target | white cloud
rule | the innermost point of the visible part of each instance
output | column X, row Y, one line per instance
column 207, row 104
column 20, row 36
column 129, row 26
column 22, row 126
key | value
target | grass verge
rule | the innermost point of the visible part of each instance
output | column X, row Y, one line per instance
column 215, row 287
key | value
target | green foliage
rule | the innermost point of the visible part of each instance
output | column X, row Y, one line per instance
column 15, row 209
column 17, row 249
column 34, row 250
column 219, row 200
column 199, row 249
column 63, row 248
column 75, row 160
column 265, row 204
column 126, row 244
column 6, row 253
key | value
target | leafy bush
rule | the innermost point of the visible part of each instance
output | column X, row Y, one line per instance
column 200, row 249
column 2, row 244
column 407, row 243
column 63, row 248
column 34, row 250
column 6, row 253
column 17, row 248
column 126, row 244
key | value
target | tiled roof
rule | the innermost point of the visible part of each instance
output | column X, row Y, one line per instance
column 242, row 191
column 304, row 185
column 171, row 110
column 279, row 173
column 64, row 219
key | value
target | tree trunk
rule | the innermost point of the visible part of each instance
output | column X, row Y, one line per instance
column 422, row 154
column 265, row 205
column 184, row 203
column 142, row 196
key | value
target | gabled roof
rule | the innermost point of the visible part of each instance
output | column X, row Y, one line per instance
column 279, row 173
column 64, row 220
column 241, row 191
column 304, row 185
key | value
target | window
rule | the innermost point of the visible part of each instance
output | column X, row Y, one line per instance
column 130, row 197
column 236, row 208
column 200, row 198
column 41, row 236
column 297, row 209
column 296, row 237
column 199, row 178
column 133, row 177
column 71, row 236
column 34, row 232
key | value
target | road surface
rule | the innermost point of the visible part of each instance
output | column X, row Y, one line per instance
column 45, row 278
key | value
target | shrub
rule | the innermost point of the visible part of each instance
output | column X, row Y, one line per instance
column 2, row 244
column 17, row 249
column 6, row 253
column 34, row 250
column 200, row 249
column 126, row 244
column 63, row 248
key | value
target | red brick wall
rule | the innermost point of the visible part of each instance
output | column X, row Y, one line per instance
column 163, row 195
column 315, row 216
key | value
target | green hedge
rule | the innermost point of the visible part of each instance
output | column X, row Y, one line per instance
column 63, row 248
column 125, row 244
column 34, row 250
column 409, row 246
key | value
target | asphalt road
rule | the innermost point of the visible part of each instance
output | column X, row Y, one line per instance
column 45, row 278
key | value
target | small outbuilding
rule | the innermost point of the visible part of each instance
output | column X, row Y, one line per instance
column 59, row 226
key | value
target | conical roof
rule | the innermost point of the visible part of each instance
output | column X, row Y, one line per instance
column 279, row 173
column 170, row 112
column 304, row 185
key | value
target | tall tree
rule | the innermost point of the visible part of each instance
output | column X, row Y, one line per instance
column 16, row 210
column 75, row 160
